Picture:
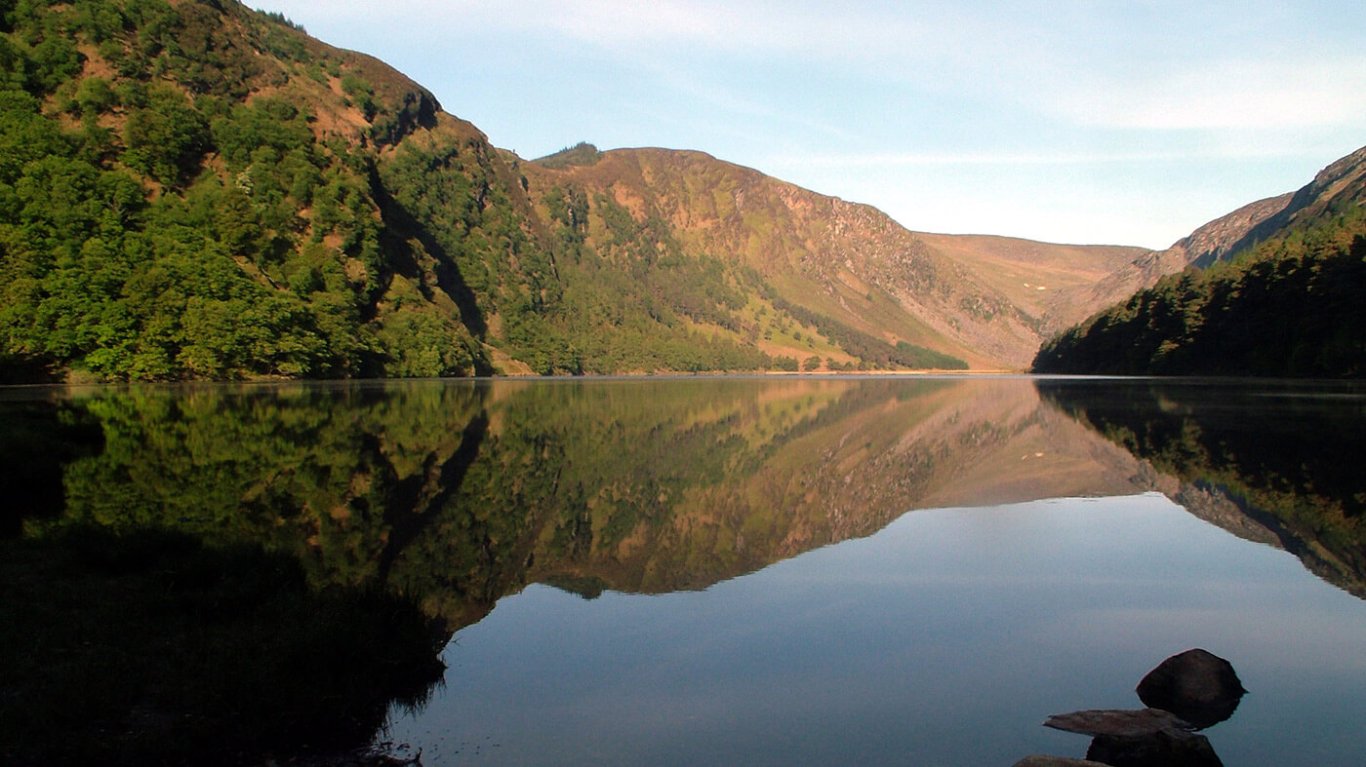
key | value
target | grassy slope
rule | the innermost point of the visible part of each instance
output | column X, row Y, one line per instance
column 1047, row 281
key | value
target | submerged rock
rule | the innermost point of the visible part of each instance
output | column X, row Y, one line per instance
column 1161, row 749
column 1196, row 685
column 1043, row 760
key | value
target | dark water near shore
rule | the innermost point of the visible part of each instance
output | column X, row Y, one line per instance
column 689, row 571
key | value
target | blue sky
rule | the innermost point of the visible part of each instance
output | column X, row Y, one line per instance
column 1089, row 122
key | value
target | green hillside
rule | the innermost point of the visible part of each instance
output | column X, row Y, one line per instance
column 721, row 250
column 1286, row 302
column 190, row 190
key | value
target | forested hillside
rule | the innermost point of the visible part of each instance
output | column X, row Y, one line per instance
column 190, row 190
column 1284, row 301
column 197, row 190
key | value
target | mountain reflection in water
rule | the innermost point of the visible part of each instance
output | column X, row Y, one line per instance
column 1278, row 463
column 451, row 495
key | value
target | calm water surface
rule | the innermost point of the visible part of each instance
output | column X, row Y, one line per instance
column 753, row 571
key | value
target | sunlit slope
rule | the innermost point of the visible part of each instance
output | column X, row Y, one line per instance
column 824, row 261
column 1210, row 242
column 203, row 191
column 1049, row 282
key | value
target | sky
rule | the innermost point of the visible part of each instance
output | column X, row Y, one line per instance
column 1125, row 122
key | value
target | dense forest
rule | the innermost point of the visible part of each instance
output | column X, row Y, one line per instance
column 190, row 189
column 1287, row 307
column 157, row 224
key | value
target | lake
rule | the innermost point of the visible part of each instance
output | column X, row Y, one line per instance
column 775, row 570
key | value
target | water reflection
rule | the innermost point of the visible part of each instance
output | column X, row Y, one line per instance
column 1272, row 462
column 450, row 496
column 39, row 437
column 461, row 493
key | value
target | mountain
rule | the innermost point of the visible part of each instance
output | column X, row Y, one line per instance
column 190, row 189
column 1206, row 244
column 197, row 190
column 833, row 273
column 1058, row 285
column 1336, row 192
column 1273, row 289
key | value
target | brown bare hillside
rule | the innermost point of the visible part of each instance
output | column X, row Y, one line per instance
column 977, row 298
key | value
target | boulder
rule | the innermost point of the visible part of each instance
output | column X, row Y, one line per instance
column 1146, row 737
column 1196, row 685
column 1186, row 692
column 1135, row 723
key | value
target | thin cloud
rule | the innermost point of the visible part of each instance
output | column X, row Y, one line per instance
column 733, row 26
column 1139, row 65
column 1228, row 94
column 735, row 103
column 1016, row 159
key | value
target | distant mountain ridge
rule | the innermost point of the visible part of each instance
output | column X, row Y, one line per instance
column 1205, row 245
column 319, row 216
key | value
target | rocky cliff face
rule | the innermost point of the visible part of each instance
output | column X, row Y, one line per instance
column 1226, row 235
column 1338, row 188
